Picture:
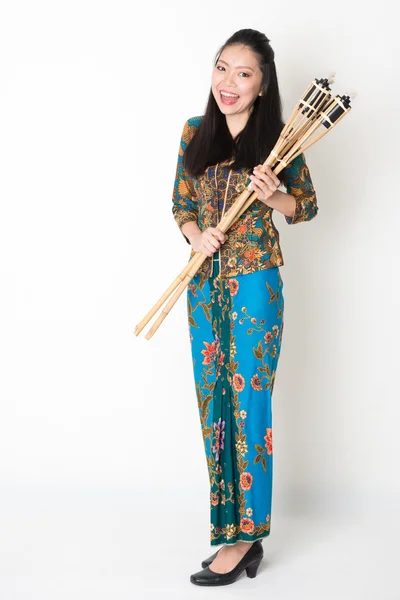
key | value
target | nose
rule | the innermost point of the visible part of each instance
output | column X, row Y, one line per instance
column 230, row 80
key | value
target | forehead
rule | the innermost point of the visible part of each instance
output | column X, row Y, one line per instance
column 239, row 56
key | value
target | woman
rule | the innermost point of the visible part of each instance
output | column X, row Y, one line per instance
column 235, row 302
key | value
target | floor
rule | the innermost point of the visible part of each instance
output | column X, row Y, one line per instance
column 58, row 543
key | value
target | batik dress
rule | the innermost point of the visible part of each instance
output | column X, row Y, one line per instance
column 235, row 327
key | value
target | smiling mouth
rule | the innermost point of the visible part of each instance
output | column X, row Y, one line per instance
column 229, row 96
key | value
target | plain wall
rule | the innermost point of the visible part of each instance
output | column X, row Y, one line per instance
column 93, row 100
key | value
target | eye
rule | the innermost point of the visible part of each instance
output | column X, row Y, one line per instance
column 221, row 67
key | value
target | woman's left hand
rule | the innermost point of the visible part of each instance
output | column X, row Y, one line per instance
column 264, row 184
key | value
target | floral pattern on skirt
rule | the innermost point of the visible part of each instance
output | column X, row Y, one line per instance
column 235, row 327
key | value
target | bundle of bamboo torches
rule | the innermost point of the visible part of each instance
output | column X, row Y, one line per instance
column 315, row 108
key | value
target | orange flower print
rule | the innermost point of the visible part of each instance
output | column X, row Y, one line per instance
column 214, row 498
column 242, row 229
column 268, row 337
column 233, row 286
column 210, row 352
column 192, row 288
column 268, row 440
column 238, row 382
column 252, row 256
column 247, row 525
column 256, row 383
column 246, row 480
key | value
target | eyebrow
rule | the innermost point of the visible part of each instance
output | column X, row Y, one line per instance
column 242, row 67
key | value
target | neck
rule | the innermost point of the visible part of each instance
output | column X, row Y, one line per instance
column 237, row 122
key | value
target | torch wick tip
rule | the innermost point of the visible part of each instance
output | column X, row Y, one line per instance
column 331, row 77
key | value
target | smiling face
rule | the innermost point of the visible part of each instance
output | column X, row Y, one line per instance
column 237, row 73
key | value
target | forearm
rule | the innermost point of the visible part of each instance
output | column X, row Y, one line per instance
column 190, row 228
column 282, row 202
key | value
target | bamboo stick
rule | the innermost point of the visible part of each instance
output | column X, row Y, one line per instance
column 289, row 145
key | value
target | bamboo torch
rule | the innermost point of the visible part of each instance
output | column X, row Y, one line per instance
column 315, row 109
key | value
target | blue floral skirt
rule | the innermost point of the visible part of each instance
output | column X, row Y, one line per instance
column 235, row 327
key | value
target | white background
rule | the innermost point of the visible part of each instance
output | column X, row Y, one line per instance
column 103, row 479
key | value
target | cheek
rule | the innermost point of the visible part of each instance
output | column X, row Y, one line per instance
column 247, row 90
column 215, row 79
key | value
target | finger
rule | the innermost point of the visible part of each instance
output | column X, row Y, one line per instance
column 210, row 248
column 268, row 172
column 221, row 235
column 255, row 186
column 261, row 185
column 269, row 183
column 217, row 233
column 274, row 178
column 265, row 178
column 262, row 191
column 212, row 242
column 206, row 249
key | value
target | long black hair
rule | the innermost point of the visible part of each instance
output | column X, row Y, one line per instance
column 213, row 142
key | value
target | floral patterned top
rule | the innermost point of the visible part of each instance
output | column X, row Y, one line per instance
column 253, row 240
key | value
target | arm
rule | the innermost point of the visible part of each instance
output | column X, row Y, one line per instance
column 301, row 188
column 282, row 202
column 189, row 229
column 184, row 207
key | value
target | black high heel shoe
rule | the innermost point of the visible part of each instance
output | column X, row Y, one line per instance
column 209, row 560
column 250, row 561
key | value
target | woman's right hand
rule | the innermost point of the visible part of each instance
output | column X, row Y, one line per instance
column 208, row 241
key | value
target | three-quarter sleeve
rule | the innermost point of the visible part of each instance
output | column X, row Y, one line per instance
column 299, row 185
column 184, row 207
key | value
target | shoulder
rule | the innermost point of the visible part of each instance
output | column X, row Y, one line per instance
column 189, row 129
column 194, row 121
column 297, row 161
column 297, row 168
column 191, row 126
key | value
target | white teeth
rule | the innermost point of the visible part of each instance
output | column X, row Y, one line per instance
column 229, row 95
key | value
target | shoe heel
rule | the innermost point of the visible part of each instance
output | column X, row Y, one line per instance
column 251, row 570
